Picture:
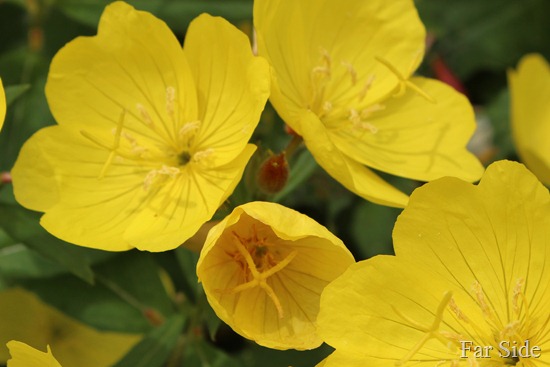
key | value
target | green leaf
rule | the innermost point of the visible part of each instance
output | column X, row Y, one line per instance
column 96, row 306
column 15, row 91
column 23, row 226
column 18, row 262
column 371, row 228
column 300, row 170
column 135, row 277
column 201, row 353
column 475, row 35
column 156, row 347
column 187, row 261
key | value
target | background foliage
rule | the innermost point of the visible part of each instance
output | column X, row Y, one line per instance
column 471, row 45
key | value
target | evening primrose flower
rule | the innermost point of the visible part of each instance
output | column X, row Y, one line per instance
column 263, row 269
column 27, row 319
column 530, row 113
column 26, row 356
column 470, row 272
column 151, row 140
column 342, row 80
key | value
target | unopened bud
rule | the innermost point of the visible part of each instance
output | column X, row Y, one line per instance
column 273, row 174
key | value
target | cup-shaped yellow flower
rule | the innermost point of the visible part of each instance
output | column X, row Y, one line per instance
column 342, row 80
column 263, row 269
column 27, row 319
column 151, row 139
column 469, row 285
column 26, row 356
column 530, row 113
column 2, row 105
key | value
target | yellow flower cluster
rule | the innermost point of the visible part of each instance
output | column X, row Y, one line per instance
column 153, row 138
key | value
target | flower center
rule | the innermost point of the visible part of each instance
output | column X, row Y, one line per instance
column 259, row 260
column 501, row 346
column 337, row 93
column 175, row 146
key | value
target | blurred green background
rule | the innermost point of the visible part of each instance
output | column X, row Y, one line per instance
column 471, row 45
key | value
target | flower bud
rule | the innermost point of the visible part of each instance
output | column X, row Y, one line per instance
column 273, row 174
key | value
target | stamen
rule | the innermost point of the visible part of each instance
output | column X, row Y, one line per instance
column 146, row 118
column 169, row 171
column 404, row 83
column 259, row 279
column 366, row 88
column 189, row 127
column 459, row 314
column 352, row 72
column 431, row 332
column 170, row 99
column 202, row 155
column 517, row 293
column 327, row 107
column 357, row 119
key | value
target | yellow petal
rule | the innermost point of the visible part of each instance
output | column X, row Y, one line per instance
column 26, row 318
column 2, row 105
column 134, row 64
column 32, row 179
column 354, row 176
column 232, row 85
column 26, row 356
column 68, row 170
column 414, row 137
column 482, row 251
column 346, row 36
column 181, row 207
column 282, row 313
column 530, row 111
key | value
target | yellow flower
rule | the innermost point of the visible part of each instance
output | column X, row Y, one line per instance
column 26, row 318
column 471, row 266
column 26, row 356
column 342, row 80
column 151, row 138
column 530, row 113
column 263, row 269
column 2, row 105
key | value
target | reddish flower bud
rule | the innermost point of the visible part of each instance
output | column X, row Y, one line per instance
column 273, row 174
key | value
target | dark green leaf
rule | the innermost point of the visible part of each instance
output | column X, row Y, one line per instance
column 95, row 305
column 371, row 227
column 489, row 34
column 15, row 91
column 201, row 353
column 23, row 226
column 187, row 261
column 135, row 277
column 156, row 347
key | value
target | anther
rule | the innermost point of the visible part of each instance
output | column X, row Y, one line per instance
column 459, row 314
column 165, row 171
column 170, row 101
column 146, row 118
column 352, row 72
column 366, row 88
column 189, row 127
column 202, row 155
